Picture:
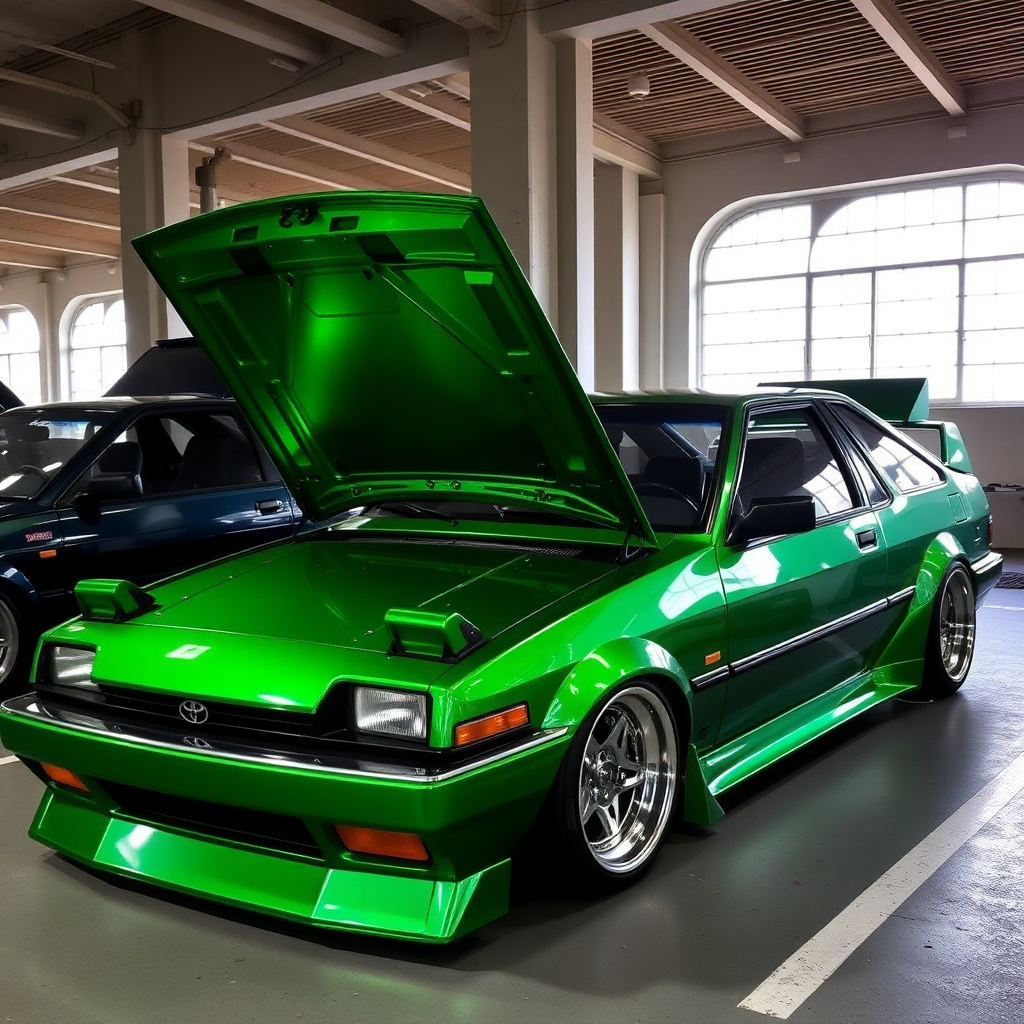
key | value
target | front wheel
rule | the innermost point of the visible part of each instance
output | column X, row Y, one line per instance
column 12, row 647
column 616, row 788
column 950, row 635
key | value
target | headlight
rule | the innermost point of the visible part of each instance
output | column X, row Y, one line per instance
column 72, row 666
column 391, row 713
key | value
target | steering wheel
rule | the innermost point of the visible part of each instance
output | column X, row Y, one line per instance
column 652, row 489
column 27, row 470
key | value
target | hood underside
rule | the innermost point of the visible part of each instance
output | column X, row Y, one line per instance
column 387, row 347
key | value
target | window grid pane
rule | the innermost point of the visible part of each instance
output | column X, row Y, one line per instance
column 896, row 314
column 99, row 352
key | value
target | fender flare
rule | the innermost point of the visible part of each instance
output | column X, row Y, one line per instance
column 615, row 663
column 19, row 586
column 904, row 650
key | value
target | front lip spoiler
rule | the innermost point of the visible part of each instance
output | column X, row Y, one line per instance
column 32, row 707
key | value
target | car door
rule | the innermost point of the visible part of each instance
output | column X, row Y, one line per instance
column 804, row 609
column 176, row 489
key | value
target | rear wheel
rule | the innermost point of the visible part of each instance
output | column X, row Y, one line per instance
column 951, row 634
column 617, row 788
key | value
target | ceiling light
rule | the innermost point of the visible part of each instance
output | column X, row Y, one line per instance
column 284, row 63
column 639, row 86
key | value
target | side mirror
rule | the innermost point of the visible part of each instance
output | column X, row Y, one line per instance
column 773, row 517
column 113, row 487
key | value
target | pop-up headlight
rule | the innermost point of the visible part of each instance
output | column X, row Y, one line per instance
column 71, row 666
column 391, row 713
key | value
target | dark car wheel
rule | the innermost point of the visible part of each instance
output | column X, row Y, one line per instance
column 11, row 644
column 616, row 788
column 951, row 634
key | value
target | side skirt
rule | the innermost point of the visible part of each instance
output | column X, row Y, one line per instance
column 739, row 759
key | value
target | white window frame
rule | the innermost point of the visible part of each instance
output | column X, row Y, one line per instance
column 824, row 204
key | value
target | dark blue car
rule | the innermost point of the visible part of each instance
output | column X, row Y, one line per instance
column 129, row 488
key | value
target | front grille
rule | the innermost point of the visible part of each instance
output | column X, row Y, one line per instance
column 143, row 706
column 276, row 832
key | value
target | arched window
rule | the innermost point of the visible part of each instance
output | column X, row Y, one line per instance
column 920, row 282
column 19, row 354
column 99, row 353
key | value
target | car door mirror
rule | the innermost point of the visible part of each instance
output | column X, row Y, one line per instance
column 772, row 517
column 113, row 487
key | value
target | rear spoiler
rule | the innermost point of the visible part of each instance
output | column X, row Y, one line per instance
column 903, row 402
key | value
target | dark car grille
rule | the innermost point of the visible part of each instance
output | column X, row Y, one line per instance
column 224, row 821
column 153, row 708
column 324, row 732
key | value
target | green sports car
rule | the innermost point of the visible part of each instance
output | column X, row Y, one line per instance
column 522, row 617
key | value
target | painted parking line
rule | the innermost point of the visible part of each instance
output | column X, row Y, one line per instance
column 818, row 959
column 8, row 760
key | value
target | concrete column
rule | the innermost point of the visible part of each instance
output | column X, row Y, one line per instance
column 574, row 97
column 50, row 353
column 513, row 144
column 617, row 278
column 652, row 291
column 153, row 173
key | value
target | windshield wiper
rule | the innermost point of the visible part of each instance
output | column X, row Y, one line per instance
column 412, row 510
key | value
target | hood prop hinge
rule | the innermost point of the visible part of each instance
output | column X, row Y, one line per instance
column 632, row 530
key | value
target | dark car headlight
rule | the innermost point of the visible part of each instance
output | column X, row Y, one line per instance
column 395, row 713
column 70, row 666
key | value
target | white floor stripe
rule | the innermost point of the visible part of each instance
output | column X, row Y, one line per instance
column 817, row 960
column 8, row 760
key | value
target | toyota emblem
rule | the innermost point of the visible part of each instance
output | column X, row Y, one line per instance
column 194, row 712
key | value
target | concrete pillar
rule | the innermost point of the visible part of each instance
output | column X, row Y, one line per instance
column 513, row 144
column 574, row 91
column 153, row 173
column 617, row 278
column 652, row 290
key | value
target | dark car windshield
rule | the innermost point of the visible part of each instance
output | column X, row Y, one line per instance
column 669, row 452
column 36, row 443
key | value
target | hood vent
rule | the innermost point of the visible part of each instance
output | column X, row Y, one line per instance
column 439, row 636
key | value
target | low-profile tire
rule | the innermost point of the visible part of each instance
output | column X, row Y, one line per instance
column 14, row 650
column 615, row 793
column 950, row 635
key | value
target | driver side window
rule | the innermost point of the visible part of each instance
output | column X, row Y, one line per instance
column 786, row 455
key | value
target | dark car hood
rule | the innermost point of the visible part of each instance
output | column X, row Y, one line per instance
column 386, row 346
column 336, row 630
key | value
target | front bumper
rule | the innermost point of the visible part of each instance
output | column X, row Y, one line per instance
column 470, row 819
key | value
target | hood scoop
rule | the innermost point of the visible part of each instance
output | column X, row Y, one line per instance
column 438, row 636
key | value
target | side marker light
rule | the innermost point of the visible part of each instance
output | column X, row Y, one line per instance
column 491, row 725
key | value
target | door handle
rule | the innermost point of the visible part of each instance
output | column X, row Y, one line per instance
column 268, row 507
column 867, row 539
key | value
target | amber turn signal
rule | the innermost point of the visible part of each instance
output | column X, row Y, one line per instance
column 491, row 725
column 64, row 777
column 380, row 843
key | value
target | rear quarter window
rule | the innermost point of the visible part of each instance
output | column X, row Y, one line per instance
column 897, row 461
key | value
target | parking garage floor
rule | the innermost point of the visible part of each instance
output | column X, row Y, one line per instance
column 809, row 872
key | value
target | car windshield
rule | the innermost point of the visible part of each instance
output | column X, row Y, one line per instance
column 669, row 452
column 36, row 443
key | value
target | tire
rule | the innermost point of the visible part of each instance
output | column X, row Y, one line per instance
column 13, row 654
column 951, row 634
column 616, row 789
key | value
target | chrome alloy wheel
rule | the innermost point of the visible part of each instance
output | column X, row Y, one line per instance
column 8, row 640
column 956, row 625
column 628, row 779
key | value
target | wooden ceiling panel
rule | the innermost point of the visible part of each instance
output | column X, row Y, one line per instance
column 976, row 40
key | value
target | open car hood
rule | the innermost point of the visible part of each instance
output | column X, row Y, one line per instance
column 386, row 347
